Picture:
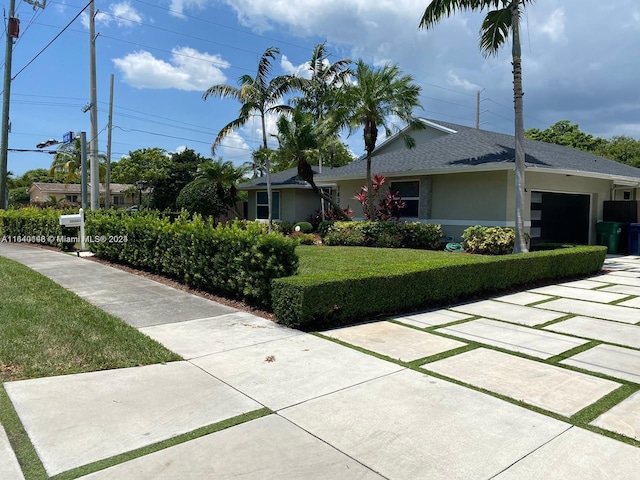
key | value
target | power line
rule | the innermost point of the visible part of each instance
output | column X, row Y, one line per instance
column 53, row 40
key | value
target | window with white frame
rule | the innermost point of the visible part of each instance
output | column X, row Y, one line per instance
column 409, row 191
column 262, row 205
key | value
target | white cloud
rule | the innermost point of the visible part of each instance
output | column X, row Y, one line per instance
column 553, row 27
column 455, row 81
column 180, row 148
column 303, row 70
column 187, row 70
column 178, row 7
column 234, row 146
column 123, row 14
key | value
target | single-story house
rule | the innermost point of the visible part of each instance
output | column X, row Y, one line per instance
column 293, row 198
column 122, row 195
column 459, row 176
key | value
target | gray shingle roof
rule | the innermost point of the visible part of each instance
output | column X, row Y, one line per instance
column 286, row 177
column 470, row 149
column 75, row 187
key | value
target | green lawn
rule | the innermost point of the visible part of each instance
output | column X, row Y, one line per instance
column 315, row 259
column 46, row 330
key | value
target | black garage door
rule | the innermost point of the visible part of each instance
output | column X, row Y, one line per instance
column 560, row 217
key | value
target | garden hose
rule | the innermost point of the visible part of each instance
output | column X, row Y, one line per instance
column 454, row 247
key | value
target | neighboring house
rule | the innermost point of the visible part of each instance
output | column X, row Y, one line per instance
column 459, row 176
column 293, row 198
column 121, row 195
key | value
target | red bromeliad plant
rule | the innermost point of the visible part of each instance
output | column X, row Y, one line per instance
column 389, row 204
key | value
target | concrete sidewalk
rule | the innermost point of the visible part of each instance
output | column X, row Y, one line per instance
column 485, row 396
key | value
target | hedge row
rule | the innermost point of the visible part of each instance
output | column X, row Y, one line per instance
column 37, row 226
column 238, row 259
column 384, row 235
column 339, row 298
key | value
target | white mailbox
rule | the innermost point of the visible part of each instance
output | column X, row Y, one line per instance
column 71, row 220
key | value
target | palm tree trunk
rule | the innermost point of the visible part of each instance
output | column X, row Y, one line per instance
column 267, row 167
column 520, row 245
column 370, row 137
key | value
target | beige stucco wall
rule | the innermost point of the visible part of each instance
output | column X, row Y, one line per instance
column 295, row 204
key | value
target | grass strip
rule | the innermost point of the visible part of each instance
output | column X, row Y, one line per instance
column 140, row 452
column 593, row 411
column 30, row 463
column 47, row 330
column 574, row 351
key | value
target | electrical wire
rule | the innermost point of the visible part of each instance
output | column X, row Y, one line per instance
column 53, row 40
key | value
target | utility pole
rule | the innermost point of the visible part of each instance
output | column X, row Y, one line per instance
column 83, row 170
column 107, row 180
column 478, row 112
column 95, row 162
column 12, row 32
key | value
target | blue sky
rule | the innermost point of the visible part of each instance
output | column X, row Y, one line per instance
column 579, row 64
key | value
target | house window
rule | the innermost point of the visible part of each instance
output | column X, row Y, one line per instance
column 626, row 195
column 72, row 198
column 410, row 193
column 262, row 205
column 117, row 200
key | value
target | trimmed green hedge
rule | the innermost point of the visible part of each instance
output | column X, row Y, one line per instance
column 384, row 235
column 238, row 259
column 339, row 298
column 37, row 226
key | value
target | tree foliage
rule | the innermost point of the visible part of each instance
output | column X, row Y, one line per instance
column 182, row 168
column 67, row 162
column 146, row 164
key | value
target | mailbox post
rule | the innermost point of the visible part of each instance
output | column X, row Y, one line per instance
column 75, row 220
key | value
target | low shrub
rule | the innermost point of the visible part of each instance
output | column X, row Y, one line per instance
column 285, row 228
column 305, row 227
column 338, row 298
column 304, row 238
column 324, row 227
column 489, row 240
column 384, row 235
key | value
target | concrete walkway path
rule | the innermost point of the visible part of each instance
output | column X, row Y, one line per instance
column 504, row 388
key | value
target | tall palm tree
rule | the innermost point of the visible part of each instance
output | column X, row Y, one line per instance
column 319, row 92
column 500, row 21
column 258, row 95
column 298, row 139
column 68, row 161
column 378, row 97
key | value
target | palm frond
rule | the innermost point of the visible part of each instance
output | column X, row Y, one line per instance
column 264, row 65
column 222, row 91
column 495, row 31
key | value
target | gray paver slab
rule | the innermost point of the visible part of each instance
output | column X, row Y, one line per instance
column 592, row 309
column 406, row 424
column 612, row 332
column 431, row 319
column 633, row 303
column 624, row 418
column 617, row 279
column 509, row 313
column 579, row 293
column 546, row 386
column 394, row 341
column 266, row 448
column 611, row 360
column 522, row 298
column 196, row 338
column 9, row 467
column 626, row 289
column 578, row 454
column 288, row 371
column 530, row 341
column 626, row 273
column 73, row 420
column 586, row 284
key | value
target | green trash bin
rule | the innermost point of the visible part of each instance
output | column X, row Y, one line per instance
column 609, row 235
